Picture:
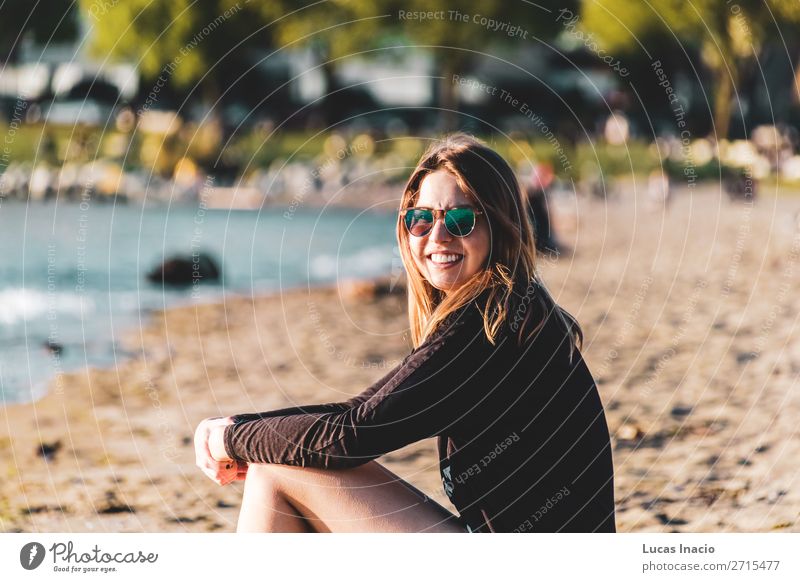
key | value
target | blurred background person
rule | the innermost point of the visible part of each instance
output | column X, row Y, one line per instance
column 539, row 211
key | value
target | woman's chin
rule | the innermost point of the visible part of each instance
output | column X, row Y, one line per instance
column 445, row 285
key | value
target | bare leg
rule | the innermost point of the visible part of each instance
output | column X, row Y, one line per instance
column 266, row 509
column 367, row 498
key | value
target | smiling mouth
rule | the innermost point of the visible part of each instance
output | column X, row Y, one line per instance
column 445, row 260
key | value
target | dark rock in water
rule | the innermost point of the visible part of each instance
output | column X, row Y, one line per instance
column 185, row 270
column 54, row 348
column 48, row 450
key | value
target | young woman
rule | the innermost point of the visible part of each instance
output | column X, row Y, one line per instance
column 495, row 375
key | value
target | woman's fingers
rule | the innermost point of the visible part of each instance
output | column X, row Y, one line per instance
column 241, row 472
column 201, row 442
column 222, row 473
column 204, row 460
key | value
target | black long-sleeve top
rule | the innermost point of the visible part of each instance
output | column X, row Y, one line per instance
column 523, row 441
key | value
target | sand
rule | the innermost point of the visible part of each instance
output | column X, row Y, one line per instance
column 689, row 314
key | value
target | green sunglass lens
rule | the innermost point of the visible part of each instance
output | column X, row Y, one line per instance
column 419, row 222
column 460, row 221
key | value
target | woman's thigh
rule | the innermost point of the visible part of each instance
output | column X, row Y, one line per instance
column 367, row 498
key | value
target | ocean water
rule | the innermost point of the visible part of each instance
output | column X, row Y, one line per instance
column 74, row 274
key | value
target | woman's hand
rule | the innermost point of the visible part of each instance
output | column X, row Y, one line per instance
column 210, row 455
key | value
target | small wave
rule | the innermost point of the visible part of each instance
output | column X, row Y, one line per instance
column 365, row 263
column 21, row 304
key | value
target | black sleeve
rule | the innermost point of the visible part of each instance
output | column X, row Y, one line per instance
column 321, row 408
column 426, row 394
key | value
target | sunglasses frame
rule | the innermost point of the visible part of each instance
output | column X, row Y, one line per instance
column 440, row 213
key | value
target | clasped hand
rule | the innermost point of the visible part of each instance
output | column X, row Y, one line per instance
column 210, row 454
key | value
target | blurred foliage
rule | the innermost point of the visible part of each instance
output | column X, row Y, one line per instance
column 206, row 41
column 209, row 44
column 730, row 35
column 45, row 23
column 341, row 28
column 152, row 33
column 250, row 150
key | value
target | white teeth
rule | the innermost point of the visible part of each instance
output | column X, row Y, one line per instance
column 442, row 258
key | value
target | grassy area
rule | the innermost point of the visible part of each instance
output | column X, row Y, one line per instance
column 257, row 149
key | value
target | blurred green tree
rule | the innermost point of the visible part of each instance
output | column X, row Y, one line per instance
column 203, row 42
column 338, row 28
column 42, row 22
column 731, row 34
column 152, row 32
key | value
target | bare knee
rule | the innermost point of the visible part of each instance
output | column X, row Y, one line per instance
column 267, row 502
column 262, row 473
column 290, row 479
column 275, row 476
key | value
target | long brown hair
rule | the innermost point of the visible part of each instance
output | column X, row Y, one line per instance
column 510, row 275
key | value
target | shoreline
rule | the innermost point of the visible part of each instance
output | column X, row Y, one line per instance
column 144, row 315
column 696, row 376
column 82, row 319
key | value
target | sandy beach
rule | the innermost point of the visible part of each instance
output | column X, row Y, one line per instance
column 689, row 316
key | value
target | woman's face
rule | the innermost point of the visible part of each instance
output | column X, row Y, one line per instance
column 448, row 261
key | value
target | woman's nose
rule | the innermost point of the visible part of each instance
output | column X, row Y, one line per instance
column 439, row 231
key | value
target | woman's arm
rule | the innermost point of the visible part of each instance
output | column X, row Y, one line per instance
column 215, row 435
column 322, row 408
column 429, row 392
